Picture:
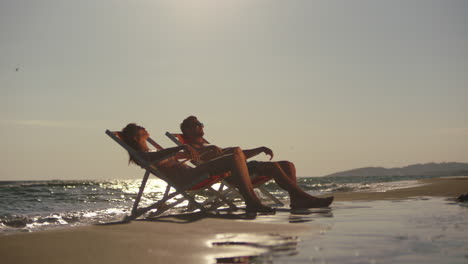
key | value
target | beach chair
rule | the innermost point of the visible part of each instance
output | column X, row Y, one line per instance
column 179, row 193
column 257, row 181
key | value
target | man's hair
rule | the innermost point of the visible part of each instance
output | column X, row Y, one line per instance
column 187, row 123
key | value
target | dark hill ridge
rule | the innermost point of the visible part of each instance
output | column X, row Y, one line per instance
column 427, row 169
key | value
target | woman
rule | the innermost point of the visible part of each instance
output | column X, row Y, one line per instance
column 135, row 136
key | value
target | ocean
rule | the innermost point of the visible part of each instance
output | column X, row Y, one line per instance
column 27, row 206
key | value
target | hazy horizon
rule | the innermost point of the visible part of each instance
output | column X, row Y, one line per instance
column 137, row 176
column 328, row 85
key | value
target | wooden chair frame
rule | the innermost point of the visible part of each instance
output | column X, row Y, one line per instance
column 184, row 192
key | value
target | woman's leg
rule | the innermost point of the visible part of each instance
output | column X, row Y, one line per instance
column 240, row 176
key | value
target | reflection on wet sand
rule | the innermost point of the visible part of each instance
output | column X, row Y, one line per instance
column 262, row 248
column 244, row 259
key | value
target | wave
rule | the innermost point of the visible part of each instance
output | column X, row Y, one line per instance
column 25, row 223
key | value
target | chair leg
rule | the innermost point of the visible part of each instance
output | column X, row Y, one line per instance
column 157, row 205
column 166, row 207
column 223, row 199
column 192, row 201
column 168, row 188
column 233, row 190
column 140, row 193
column 221, row 187
column 271, row 196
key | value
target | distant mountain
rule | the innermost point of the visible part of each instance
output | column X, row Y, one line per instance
column 427, row 169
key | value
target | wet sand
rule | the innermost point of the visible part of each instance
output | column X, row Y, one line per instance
column 440, row 187
column 182, row 239
column 179, row 239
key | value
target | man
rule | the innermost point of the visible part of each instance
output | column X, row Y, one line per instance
column 283, row 172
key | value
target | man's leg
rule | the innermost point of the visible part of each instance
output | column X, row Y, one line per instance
column 240, row 176
column 298, row 197
column 289, row 169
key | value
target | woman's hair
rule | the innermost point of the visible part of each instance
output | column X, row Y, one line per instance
column 128, row 135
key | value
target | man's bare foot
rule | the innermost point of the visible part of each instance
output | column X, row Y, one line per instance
column 312, row 203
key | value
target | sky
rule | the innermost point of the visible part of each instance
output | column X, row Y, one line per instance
column 329, row 85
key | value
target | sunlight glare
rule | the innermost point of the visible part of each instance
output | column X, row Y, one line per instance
column 206, row 10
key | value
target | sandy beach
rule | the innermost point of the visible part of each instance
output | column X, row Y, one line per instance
column 181, row 239
column 167, row 240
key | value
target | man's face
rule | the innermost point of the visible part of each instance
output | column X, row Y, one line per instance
column 195, row 129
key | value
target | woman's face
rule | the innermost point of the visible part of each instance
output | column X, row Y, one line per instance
column 142, row 133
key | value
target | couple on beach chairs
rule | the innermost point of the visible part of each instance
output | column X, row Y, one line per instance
column 215, row 161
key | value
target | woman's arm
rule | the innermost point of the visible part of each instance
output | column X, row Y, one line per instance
column 188, row 153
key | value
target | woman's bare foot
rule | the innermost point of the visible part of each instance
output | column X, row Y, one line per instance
column 259, row 209
column 312, row 203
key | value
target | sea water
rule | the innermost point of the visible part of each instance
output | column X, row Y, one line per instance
column 27, row 206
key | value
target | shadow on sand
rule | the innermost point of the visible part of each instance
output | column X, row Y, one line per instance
column 186, row 218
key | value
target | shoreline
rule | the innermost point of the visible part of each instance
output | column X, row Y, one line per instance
column 450, row 187
column 184, row 238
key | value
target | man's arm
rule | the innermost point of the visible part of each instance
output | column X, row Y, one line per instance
column 252, row 152
column 212, row 152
